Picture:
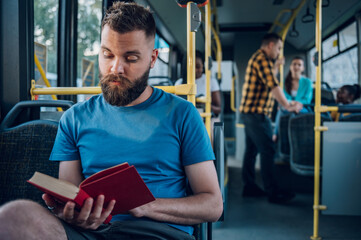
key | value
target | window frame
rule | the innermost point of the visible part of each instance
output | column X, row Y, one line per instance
column 337, row 32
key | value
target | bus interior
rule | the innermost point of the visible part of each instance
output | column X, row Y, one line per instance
column 49, row 52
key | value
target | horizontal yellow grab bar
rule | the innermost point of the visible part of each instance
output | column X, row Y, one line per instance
column 184, row 89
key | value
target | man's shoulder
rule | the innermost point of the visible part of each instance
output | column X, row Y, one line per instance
column 82, row 107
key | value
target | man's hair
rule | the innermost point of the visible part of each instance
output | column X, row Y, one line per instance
column 270, row 37
column 127, row 17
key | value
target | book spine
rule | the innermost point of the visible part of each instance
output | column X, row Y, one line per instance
column 80, row 199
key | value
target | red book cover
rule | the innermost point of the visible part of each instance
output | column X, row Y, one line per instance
column 122, row 183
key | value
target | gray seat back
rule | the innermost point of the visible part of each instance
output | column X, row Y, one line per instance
column 25, row 149
column 302, row 143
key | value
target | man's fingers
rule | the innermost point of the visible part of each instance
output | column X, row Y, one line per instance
column 49, row 201
column 85, row 211
column 108, row 210
column 95, row 216
column 68, row 212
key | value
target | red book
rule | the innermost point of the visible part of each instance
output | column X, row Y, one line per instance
column 121, row 182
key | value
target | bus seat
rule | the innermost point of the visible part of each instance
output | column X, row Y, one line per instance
column 26, row 142
column 302, row 143
column 203, row 231
column 327, row 97
column 30, row 110
column 284, row 146
column 25, row 149
column 354, row 117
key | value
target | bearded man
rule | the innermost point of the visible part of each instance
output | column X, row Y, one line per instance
column 162, row 135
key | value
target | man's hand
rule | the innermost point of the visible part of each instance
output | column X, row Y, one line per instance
column 91, row 215
column 294, row 107
column 277, row 64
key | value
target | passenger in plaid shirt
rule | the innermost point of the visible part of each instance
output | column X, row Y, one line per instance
column 259, row 89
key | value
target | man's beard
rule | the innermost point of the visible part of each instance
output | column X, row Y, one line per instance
column 126, row 92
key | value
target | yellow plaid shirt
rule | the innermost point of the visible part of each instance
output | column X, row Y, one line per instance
column 259, row 82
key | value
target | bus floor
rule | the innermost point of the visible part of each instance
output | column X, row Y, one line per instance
column 256, row 218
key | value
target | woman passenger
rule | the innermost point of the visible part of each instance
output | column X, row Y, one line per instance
column 296, row 88
column 347, row 94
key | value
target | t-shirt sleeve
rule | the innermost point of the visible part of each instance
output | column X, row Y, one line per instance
column 195, row 143
column 65, row 148
column 214, row 85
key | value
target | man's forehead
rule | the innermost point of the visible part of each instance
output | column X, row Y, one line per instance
column 130, row 40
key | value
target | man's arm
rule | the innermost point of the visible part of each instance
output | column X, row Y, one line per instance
column 216, row 102
column 71, row 171
column 205, row 205
column 281, row 99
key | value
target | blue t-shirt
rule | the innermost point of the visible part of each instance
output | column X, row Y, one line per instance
column 159, row 137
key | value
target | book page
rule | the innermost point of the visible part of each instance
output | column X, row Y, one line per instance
column 58, row 186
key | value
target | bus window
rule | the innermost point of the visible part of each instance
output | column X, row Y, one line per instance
column 159, row 75
column 45, row 32
column 341, row 69
column 329, row 47
column 89, row 20
column 348, row 37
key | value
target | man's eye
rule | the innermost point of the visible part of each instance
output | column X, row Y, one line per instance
column 132, row 58
column 107, row 54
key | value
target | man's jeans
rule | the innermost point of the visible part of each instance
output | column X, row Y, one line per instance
column 258, row 131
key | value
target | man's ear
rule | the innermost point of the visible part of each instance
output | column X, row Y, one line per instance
column 154, row 57
column 270, row 45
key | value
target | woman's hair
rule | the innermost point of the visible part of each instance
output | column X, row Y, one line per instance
column 353, row 90
column 288, row 80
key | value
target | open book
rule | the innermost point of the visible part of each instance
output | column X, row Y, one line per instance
column 121, row 182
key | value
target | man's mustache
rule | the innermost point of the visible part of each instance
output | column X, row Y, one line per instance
column 114, row 78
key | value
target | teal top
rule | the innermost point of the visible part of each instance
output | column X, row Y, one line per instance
column 304, row 92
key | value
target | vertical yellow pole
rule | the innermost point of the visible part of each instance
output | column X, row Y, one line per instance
column 317, row 122
column 42, row 73
column 281, row 69
column 208, row 71
column 191, row 43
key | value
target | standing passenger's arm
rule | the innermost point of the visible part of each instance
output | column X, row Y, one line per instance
column 205, row 205
column 278, row 94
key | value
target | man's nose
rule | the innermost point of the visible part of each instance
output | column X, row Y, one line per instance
column 117, row 67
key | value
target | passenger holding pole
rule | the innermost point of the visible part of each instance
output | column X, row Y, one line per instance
column 259, row 89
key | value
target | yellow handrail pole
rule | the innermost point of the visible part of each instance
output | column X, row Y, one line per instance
column 219, row 53
column 42, row 73
column 233, row 107
column 87, row 72
column 276, row 22
column 318, row 39
column 283, row 34
column 191, row 54
column 183, row 89
column 208, row 71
